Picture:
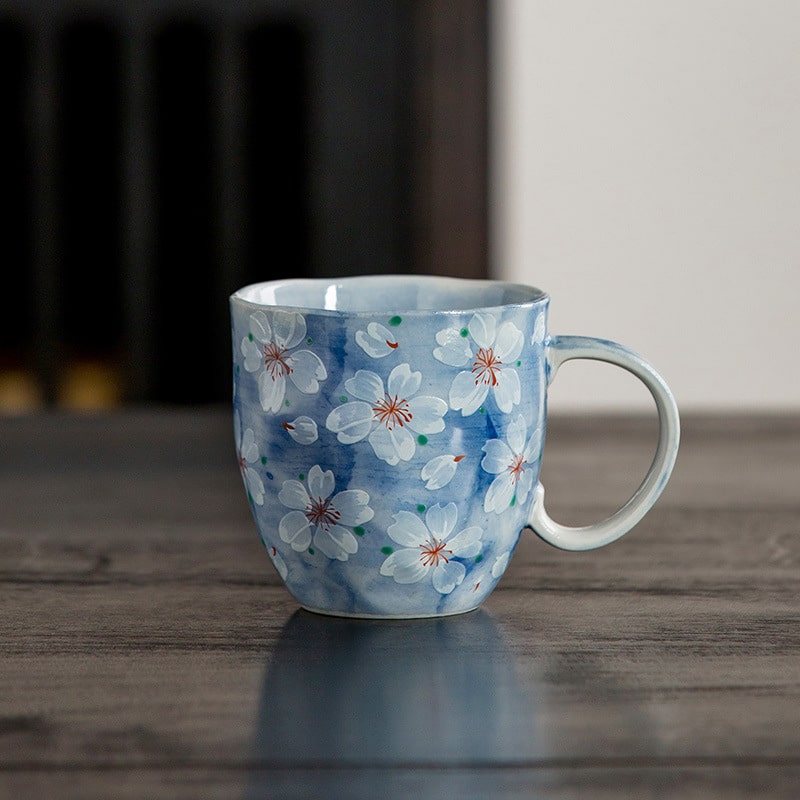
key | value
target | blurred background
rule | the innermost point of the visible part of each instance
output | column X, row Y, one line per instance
column 638, row 160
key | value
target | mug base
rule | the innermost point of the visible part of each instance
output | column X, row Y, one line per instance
column 354, row 615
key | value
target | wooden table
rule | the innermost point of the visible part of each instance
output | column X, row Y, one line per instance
column 149, row 651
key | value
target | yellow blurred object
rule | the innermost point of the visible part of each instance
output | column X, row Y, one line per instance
column 20, row 392
column 89, row 386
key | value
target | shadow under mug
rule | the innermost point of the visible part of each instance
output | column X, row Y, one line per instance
column 390, row 429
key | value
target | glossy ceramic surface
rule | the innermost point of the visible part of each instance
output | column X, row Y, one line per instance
column 390, row 432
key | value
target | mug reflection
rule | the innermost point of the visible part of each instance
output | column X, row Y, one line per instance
column 424, row 692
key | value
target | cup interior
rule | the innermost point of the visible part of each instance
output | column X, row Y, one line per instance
column 395, row 294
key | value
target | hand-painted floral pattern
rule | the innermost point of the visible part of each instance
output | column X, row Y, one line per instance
column 247, row 452
column 321, row 516
column 538, row 330
column 428, row 550
column 387, row 415
column 491, row 353
column 268, row 349
column 303, row 430
column 377, row 341
column 439, row 471
column 514, row 464
column 500, row 564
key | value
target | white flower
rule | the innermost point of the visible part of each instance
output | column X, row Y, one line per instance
column 247, row 453
column 303, row 430
column 319, row 514
column 268, row 349
column 377, row 341
column 428, row 549
column 500, row 564
column 439, row 471
column 387, row 415
column 492, row 360
column 514, row 465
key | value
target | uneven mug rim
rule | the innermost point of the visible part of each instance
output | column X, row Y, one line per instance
column 524, row 295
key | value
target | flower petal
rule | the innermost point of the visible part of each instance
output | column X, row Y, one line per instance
column 277, row 560
column 533, row 449
column 441, row 520
column 500, row 564
column 439, row 471
column 466, row 543
column 408, row 530
column 249, row 449
column 393, row 445
column 508, row 344
column 515, row 435
column 253, row 360
column 255, row 486
column 454, row 350
column 320, row 484
column 466, row 395
column 351, row 422
column 538, row 329
column 271, row 391
column 403, row 382
column 295, row 529
column 507, row 393
column 376, row 341
column 294, row 495
column 498, row 456
column 404, row 566
column 336, row 542
column 524, row 485
column 426, row 414
column 352, row 507
column 482, row 329
column 260, row 327
column 500, row 493
column 447, row 575
column 288, row 328
column 365, row 385
column 307, row 371
column 303, row 430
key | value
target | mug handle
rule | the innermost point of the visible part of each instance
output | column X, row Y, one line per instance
column 566, row 348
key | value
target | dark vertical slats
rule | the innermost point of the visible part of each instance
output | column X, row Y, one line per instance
column 185, row 257
column 89, row 170
column 138, row 217
column 16, row 299
column 43, row 137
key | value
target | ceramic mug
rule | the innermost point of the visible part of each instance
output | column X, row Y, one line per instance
column 390, row 430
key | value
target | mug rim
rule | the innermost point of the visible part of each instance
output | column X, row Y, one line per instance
column 530, row 296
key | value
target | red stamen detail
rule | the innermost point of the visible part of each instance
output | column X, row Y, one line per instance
column 321, row 513
column 393, row 345
column 459, row 458
column 287, row 426
column 517, row 468
column 276, row 361
column 392, row 411
column 486, row 366
column 433, row 552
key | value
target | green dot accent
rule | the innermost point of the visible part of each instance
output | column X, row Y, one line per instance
column 343, row 399
column 464, row 332
column 519, row 363
column 422, row 439
column 311, row 551
column 263, row 459
column 482, row 410
column 479, row 558
column 287, row 403
column 421, row 508
column 250, row 336
column 302, row 476
column 309, row 340
column 238, row 369
column 387, row 551
column 395, row 321
column 359, row 531
column 513, row 501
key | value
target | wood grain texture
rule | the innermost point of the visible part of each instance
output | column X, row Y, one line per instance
column 147, row 648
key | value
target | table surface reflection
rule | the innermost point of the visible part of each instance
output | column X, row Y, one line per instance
column 149, row 650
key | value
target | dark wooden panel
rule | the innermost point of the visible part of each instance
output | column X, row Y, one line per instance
column 148, row 648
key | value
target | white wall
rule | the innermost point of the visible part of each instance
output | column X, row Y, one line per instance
column 646, row 158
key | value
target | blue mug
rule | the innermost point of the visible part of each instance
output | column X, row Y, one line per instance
column 390, row 429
